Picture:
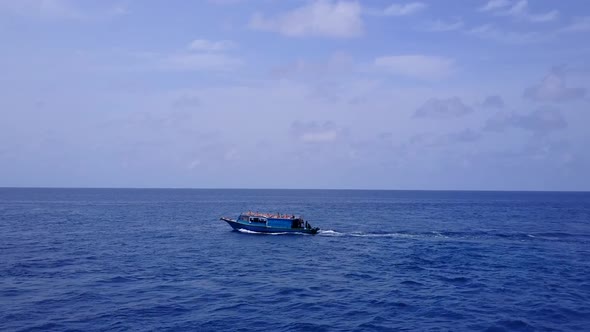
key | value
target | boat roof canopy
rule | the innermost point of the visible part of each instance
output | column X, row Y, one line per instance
column 271, row 215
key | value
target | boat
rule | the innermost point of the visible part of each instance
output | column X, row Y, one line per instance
column 271, row 223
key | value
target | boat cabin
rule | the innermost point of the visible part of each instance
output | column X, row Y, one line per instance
column 273, row 221
column 253, row 219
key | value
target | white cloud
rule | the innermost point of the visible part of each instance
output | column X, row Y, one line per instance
column 204, row 55
column 326, row 18
column 495, row 4
column 512, row 37
column 119, row 9
column 51, row 9
column 211, row 46
column 198, row 62
column 519, row 10
column 194, row 164
column 580, row 24
column 553, row 89
column 159, row 61
column 416, row 66
column 231, row 154
column 59, row 10
column 337, row 64
column 404, row 9
column 313, row 132
column 441, row 26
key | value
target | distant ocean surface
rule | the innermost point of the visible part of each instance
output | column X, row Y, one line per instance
column 160, row 259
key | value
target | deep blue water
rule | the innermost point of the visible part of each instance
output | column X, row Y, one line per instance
column 127, row 259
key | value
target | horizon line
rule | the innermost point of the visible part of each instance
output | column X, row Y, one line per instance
column 326, row 189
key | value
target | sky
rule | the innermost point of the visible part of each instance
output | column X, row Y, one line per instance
column 433, row 95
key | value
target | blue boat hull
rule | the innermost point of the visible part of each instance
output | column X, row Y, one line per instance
column 265, row 229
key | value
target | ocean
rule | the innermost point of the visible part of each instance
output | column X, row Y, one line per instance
column 161, row 260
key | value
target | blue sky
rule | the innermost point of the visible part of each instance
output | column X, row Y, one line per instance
column 489, row 95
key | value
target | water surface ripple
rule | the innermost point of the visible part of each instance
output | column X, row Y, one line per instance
column 130, row 259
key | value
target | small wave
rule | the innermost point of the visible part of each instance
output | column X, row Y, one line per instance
column 562, row 235
column 511, row 324
column 363, row 234
column 437, row 235
column 455, row 280
column 475, row 235
column 117, row 279
column 330, row 233
column 245, row 231
column 360, row 234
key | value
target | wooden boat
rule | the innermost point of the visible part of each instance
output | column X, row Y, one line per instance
column 269, row 223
